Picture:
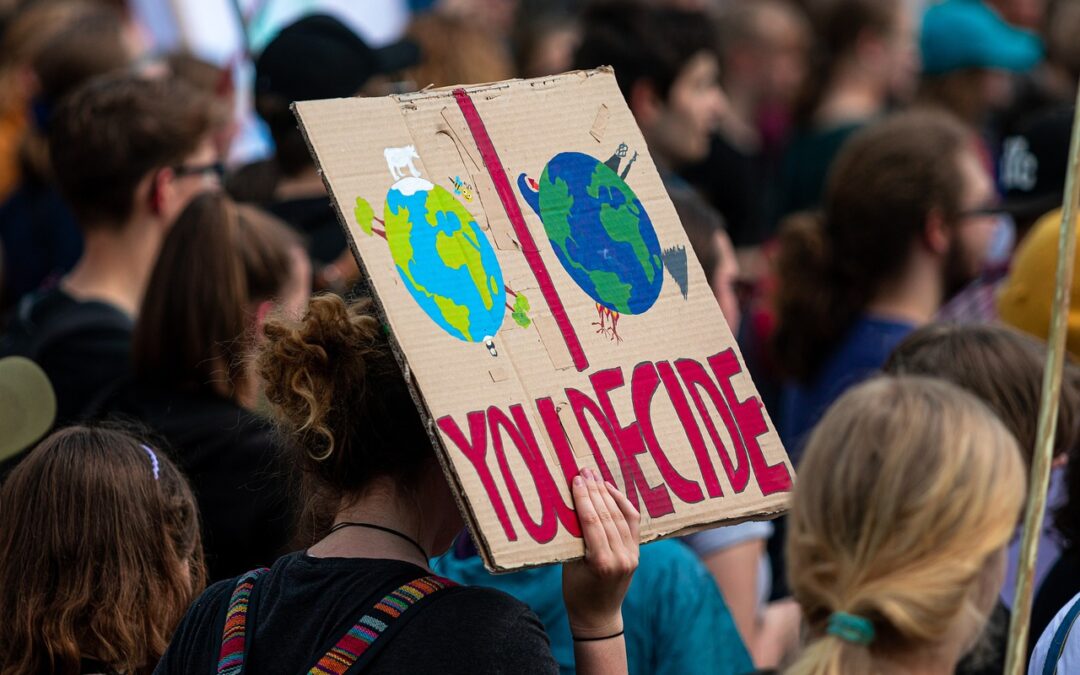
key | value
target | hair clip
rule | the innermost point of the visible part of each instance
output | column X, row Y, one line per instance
column 851, row 628
column 153, row 460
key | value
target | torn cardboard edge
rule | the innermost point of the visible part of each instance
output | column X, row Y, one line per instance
column 406, row 103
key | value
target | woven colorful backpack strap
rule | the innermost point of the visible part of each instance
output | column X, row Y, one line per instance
column 356, row 644
column 234, row 638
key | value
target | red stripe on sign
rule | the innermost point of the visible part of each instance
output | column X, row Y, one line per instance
column 513, row 211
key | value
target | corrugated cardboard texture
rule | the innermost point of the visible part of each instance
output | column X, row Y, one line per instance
column 621, row 362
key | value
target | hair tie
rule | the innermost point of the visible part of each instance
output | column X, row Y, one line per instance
column 851, row 628
column 153, row 460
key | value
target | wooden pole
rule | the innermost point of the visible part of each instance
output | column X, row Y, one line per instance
column 1016, row 657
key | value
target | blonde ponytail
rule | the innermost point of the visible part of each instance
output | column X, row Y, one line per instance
column 908, row 489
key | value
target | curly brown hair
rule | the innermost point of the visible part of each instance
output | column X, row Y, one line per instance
column 342, row 403
column 101, row 559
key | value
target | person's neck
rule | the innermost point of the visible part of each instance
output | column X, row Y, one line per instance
column 115, row 266
column 381, row 504
column 308, row 183
column 915, row 298
column 853, row 96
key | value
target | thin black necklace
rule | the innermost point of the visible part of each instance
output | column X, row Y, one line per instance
column 372, row 526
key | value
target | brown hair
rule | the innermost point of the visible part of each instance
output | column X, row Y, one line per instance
column 92, row 44
column 1062, row 21
column 1002, row 367
column 880, row 190
column 838, row 25
column 33, row 28
column 895, row 522
column 76, row 42
column 216, row 84
column 342, row 403
column 959, row 92
column 456, row 51
column 195, row 327
column 95, row 550
column 111, row 133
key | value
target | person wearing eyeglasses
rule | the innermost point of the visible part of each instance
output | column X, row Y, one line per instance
column 128, row 154
column 904, row 227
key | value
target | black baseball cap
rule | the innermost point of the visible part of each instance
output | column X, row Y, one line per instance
column 1034, row 161
column 319, row 57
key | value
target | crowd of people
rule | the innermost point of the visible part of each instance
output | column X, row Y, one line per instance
column 211, row 461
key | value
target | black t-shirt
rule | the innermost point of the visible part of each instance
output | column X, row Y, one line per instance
column 231, row 458
column 304, row 605
column 83, row 346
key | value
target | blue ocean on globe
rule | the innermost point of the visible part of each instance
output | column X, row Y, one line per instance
column 599, row 231
column 444, row 259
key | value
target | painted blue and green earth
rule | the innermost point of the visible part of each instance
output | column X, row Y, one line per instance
column 600, row 233
column 444, row 259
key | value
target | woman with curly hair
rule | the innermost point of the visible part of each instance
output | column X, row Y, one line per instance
column 363, row 595
column 102, row 555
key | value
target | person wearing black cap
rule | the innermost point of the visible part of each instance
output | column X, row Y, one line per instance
column 316, row 57
column 1033, row 164
column 1032, row 177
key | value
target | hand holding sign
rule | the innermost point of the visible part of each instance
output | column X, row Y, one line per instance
column 593, row 588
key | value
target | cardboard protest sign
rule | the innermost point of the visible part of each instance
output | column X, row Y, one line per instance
column 547, row 308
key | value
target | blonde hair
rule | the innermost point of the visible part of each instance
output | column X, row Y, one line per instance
column 907, row 488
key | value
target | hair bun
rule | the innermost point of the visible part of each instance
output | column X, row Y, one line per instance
column 305, row 364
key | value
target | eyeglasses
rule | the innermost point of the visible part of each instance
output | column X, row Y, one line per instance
column 211, row 170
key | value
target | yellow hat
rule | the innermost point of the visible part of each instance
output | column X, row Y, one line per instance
column 1027, row 295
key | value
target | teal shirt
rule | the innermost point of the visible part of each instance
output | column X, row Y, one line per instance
column 675, row 618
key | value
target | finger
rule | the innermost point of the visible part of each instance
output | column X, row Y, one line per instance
column 623, row 528
column 592, row 530
column 597, row 491
column 633, row 518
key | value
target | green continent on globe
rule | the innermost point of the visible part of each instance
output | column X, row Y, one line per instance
column 622, row 222
column 556, row 203
column 599, row 231
column 462, row 247
column 445, row 261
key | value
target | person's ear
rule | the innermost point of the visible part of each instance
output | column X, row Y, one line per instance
column 262, row 312
column 645, row 103
column 161, row 190
column 937, row 235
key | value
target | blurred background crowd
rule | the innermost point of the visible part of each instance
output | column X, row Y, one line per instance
column 867, row 184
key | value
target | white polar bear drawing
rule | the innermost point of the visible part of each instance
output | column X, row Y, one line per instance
column 399, row 159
